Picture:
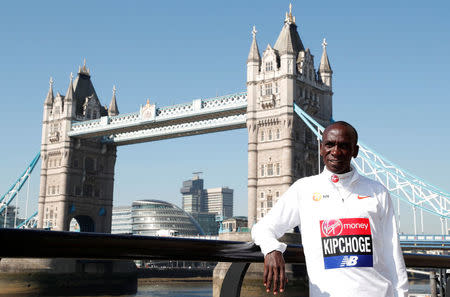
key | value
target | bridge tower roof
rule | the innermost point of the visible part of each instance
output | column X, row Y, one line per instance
column 113, row 109
column 70, row 95
column 50, row 97
column 83, row 87
column 324, row 62
column 253, row 55
column 289, row 41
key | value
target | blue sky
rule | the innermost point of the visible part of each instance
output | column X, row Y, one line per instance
column 390, row 62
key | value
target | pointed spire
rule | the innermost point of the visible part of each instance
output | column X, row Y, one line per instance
column 254, row 56
column 324, row 66
column 289, row 18
column 69, row 94
column 289, row 41
column 84, row 70
column 113, row 110
column 50, row 97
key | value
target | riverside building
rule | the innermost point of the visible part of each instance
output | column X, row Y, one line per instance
column 208, row 206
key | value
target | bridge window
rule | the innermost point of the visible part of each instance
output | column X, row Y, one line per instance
column 87, row 190
column 277, row 194
column 269, row 66
column 262, row 195
column 269, row 201
column 270, row 134
column 262, row 135
column 277, row 134
column 268, row 89
column 262, row 204
column 277, row 168
column 262, row 170
column 261, row 90
column 89, row 164
column 269, row 169
column 276, row 87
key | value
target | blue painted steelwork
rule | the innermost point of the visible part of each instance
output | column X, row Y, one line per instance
column 31, row 222
column 17, row 186
column 401, row 184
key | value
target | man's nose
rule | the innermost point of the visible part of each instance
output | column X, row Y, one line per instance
column 335, row 150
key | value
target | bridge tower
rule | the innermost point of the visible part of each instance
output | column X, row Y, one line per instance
column 77, row 175
column 281, row 149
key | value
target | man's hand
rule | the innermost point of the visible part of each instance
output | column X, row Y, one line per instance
column 274, row 272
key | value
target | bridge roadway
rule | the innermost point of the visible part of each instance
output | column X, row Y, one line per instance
column 152, row 123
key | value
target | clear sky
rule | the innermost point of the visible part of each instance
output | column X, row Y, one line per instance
column 390, row 61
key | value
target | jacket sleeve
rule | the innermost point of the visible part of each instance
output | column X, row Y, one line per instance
column 281, row 218
column 392, row 253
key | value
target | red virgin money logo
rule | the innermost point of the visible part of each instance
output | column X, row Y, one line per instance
column 332, row 227
column 347, row 226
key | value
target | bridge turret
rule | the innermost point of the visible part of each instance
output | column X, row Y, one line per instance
column 254, row 59
column 69, row 99
column 50, row 97
column 113, row 109
column 48, row 103
column 325, row 72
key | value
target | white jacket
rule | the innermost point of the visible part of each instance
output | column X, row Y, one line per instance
column 349, row 235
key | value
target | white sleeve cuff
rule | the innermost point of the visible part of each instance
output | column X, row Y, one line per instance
column 273, row 245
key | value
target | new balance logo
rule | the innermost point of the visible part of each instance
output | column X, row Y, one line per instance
column 349, row 261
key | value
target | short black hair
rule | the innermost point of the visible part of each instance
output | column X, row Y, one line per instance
column 345, row 124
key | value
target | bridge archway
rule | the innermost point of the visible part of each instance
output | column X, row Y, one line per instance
column 82, row 223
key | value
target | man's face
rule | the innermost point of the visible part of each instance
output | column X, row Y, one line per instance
column 338, row 147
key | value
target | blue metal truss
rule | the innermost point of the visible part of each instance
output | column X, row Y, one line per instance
column 31, row 222
column 9, row 196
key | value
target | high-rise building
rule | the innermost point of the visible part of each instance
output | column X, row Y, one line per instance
column 219, row 201
column 9, row 218
column 192, row 192
column 206, row 204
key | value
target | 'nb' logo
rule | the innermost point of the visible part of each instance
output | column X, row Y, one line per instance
column 349, row 261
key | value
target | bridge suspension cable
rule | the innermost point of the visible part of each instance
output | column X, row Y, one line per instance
column 401, row 184
column 13, row 191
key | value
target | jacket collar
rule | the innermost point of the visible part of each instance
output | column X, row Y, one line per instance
column 344, row 179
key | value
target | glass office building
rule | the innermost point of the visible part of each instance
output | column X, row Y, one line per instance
column 155, row 217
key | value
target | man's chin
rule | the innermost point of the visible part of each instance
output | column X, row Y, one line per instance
column 337, row 169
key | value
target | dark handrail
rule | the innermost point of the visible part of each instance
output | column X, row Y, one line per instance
column 26, row 243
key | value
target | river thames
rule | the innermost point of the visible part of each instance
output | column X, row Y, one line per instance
column 204, row 289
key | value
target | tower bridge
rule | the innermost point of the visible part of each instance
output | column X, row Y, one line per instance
column 287, row 103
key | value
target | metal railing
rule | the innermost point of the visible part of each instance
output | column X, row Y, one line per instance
column 23, row 243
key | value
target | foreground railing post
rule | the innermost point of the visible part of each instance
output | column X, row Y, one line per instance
column 447, row 287
column 433, row 284
column 231, row 285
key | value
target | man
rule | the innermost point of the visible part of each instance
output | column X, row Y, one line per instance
column 349, row 233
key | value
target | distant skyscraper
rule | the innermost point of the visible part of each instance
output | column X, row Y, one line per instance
column 192, row 192
column 219, row 201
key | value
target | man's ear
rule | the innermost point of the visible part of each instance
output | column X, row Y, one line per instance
column 355, row 153
column 320, row 150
